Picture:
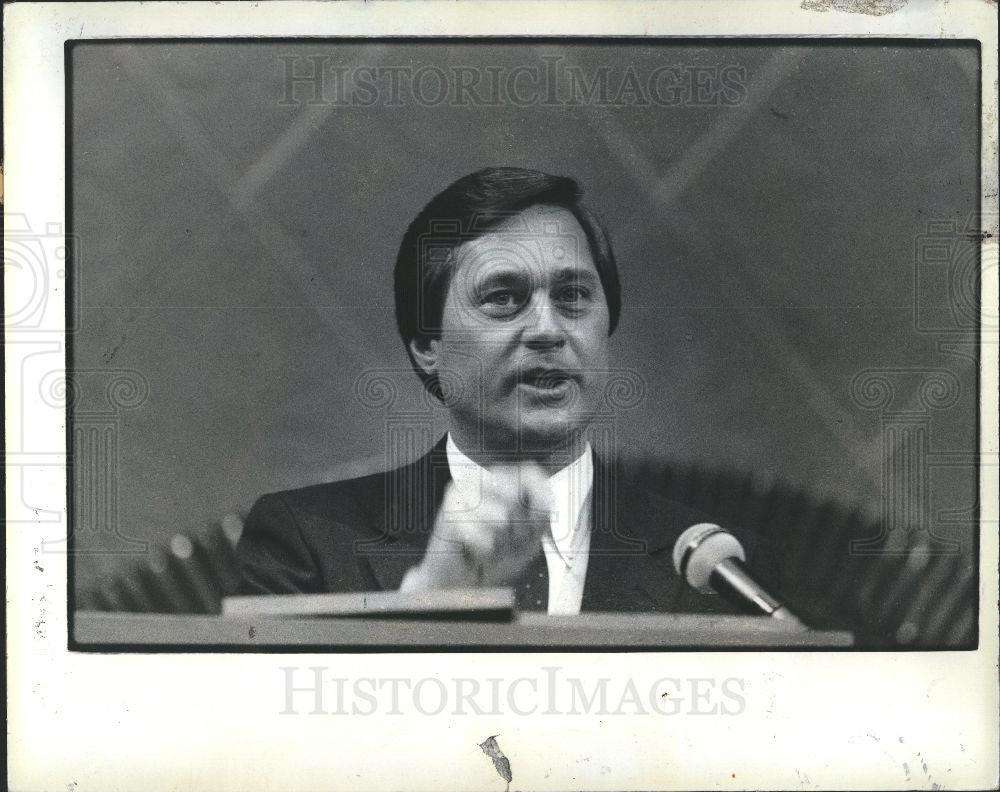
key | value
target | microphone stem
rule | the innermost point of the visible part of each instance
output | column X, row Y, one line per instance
column 732, row 579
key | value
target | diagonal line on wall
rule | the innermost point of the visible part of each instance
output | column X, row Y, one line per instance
column 303, row 128
column 214, row 164
column 664, row 189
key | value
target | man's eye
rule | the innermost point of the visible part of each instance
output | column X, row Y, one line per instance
column 501, row 301
column 573, row 294
column 500, row 298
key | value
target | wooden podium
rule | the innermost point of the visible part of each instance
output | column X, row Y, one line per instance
column 102, row 631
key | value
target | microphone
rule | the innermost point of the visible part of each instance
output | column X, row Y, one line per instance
column 711, row 559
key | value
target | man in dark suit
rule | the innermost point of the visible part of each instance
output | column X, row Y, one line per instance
column 507, row 292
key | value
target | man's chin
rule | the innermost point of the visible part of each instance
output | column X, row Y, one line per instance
column 546, row 432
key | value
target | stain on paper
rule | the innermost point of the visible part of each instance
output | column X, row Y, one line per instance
column 870, row 7
column 492, row 749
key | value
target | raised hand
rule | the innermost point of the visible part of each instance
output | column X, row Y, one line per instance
column 487, row 532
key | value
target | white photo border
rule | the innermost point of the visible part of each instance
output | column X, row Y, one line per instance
column 117, row 721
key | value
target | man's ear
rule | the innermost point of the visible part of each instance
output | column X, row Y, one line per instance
column 426, row 352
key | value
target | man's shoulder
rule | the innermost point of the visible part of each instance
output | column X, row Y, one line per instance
column 324, row 492
column 661, row 520
column 640, row 497
column 307, row 539
column 350, row 497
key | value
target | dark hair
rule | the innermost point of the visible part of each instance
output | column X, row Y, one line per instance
column 467, row 209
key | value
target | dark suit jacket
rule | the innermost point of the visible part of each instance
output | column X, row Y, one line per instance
column 363, row 534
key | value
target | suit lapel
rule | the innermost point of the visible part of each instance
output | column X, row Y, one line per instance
column 405, row 517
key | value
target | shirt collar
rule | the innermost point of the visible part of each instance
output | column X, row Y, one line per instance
column 579, row 470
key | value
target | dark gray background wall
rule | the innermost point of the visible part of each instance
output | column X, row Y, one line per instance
column 236, row 251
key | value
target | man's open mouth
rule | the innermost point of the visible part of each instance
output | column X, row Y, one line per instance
column 550, row 382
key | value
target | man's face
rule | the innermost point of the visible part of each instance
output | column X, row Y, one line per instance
column 525, row 329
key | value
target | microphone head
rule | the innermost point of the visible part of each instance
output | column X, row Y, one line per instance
column 700, row 549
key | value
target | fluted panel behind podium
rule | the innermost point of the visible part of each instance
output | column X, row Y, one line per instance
column 820, row 555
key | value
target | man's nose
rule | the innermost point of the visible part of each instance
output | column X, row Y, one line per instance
column 546, row 327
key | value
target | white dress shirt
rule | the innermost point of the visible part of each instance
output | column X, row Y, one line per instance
column 567, row 545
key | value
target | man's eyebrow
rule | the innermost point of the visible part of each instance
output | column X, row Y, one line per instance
column 575, row 275
column 504, row 274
